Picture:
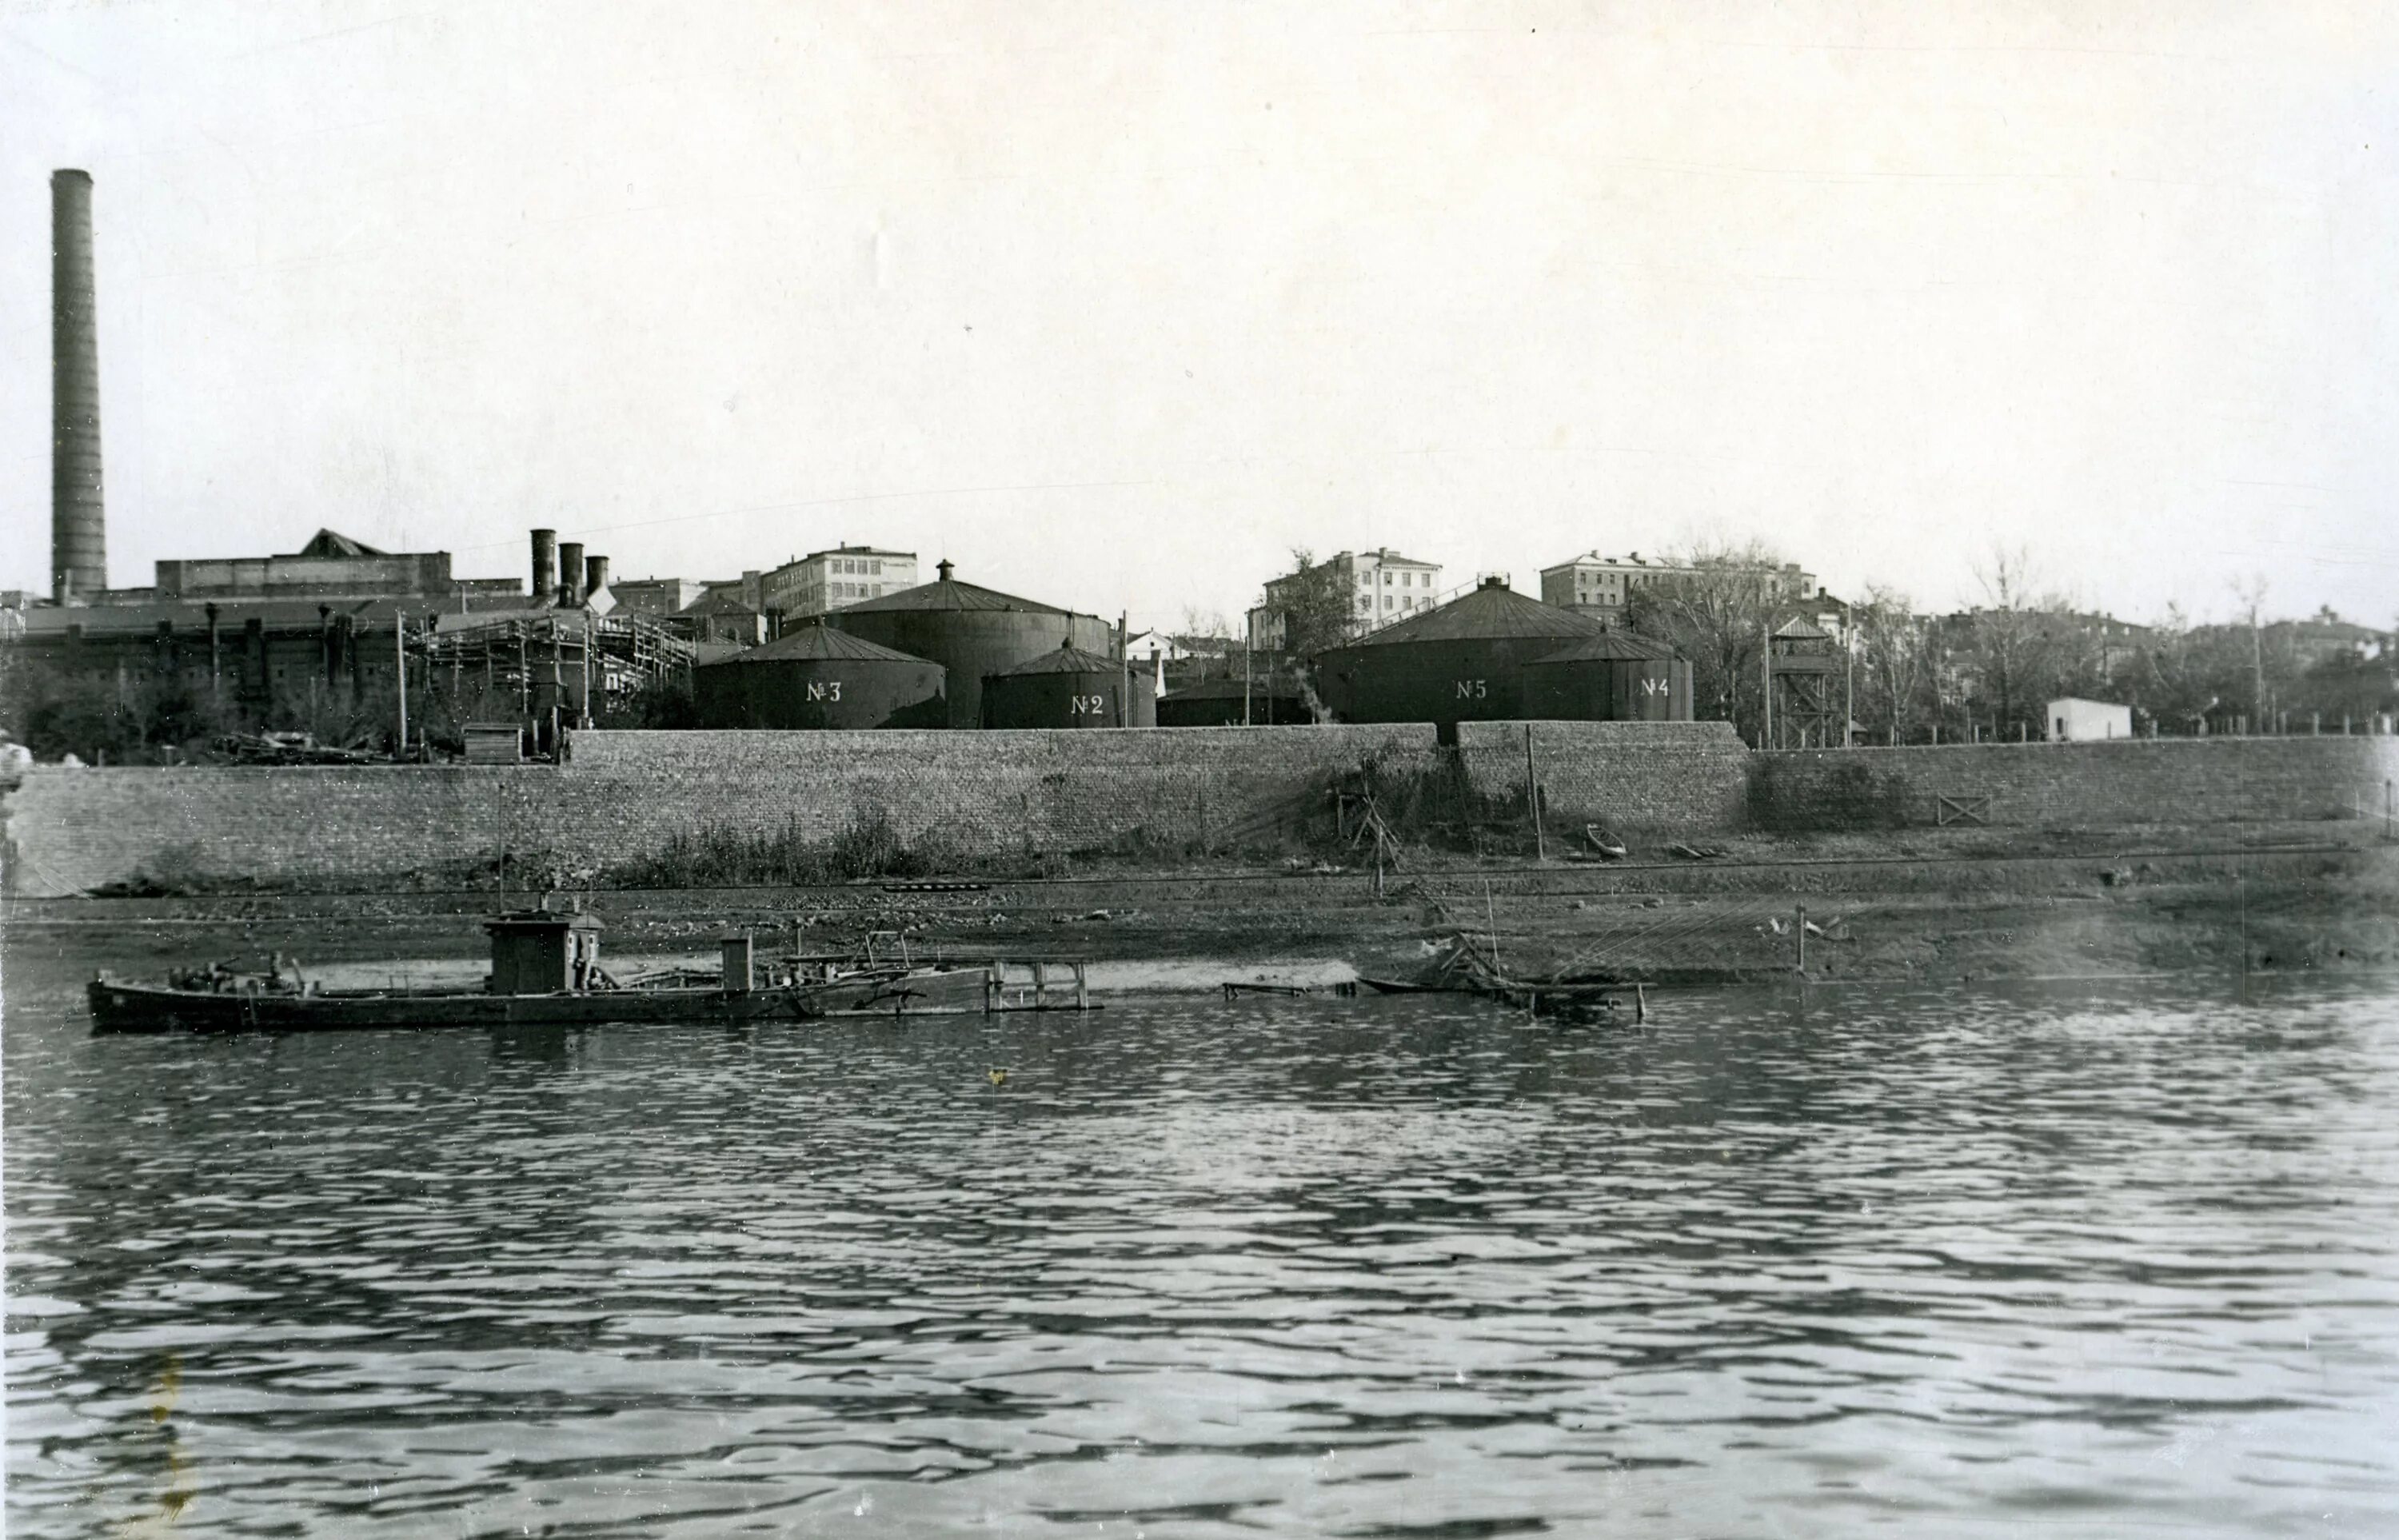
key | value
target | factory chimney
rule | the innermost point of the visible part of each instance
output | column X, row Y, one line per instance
column 570, row 573
column 595, row 574
column 544, row 565
column 78, row 534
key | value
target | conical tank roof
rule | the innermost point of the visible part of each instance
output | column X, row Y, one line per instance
column 1611, row 646
column 1064, row 660
column 1491, row 611
column 947, row 593
column 818, row 641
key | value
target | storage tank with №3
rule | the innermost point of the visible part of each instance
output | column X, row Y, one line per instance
column 1067, row 687
column 971, row 631
column 820, row 678
column 1463, row 662
column 1617, row 676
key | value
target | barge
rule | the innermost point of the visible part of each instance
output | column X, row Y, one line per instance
column 546, row 972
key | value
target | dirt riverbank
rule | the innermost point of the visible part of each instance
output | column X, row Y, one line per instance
column 1936, row 905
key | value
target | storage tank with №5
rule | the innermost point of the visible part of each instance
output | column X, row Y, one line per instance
column 1618, row 676
column 1463, row 662
column 820, row 678
column 1067, row 687
column 971, row 631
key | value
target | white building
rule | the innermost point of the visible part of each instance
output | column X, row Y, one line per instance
column 830, row 579
column 1602, row 586
column 1385, row 586
column 2074, row 719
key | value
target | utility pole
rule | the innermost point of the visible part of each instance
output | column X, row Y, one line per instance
column 1532, row 800
column 1124, row 668
column 1766, row 673
column 400, row 658
column 1249, row 640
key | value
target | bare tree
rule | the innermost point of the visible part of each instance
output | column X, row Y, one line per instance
column 1717, row 616
column 1895, row 650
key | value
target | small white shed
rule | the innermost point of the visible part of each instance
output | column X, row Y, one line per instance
column 2074, row 719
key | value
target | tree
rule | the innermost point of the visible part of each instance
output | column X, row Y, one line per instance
column 1315, row 603
column 1895, row 660
column 1716, row 614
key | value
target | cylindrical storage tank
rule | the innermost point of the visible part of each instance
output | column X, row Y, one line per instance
column 1466, row 661
column 1067, row 687
column 817, row 677
column 1221, row 702
column 1617, row 676
column 971, row 631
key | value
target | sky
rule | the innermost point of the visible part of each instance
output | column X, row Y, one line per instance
column 1116, row 305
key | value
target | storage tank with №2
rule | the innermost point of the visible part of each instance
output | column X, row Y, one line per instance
column 971, row 631
column 1067, row 687
column 1463, row 662
column 1617, row 676
column 820, row 678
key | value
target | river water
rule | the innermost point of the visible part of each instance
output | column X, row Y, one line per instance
column 2046, row 1262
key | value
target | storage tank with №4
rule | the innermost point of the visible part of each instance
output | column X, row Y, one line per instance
column 1464, row 662
column 1067, row 687
column 1618, row 676
column 820, row 678
column 971, row 631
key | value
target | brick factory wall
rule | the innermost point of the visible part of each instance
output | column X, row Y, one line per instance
column 2076, row 785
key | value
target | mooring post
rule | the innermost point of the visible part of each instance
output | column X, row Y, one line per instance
column 1799, row 935
column 1640, row 1003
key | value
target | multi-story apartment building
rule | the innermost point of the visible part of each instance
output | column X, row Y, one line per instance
column 1384, row 586
column 1602, row 586
column 828, row 580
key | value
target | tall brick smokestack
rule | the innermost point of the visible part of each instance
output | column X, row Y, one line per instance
column 78, row 532
column 544, row 565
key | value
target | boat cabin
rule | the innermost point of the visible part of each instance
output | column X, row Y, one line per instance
column 537, row 952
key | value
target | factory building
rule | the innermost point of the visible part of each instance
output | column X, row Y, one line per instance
column 829, row 580
column 1068, row 688
column 970, row 631
column 1469, row 660
column 817, row 677
column 1602, row 586
column 1382, row 587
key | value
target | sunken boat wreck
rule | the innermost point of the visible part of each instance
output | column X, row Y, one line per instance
column 546, row 972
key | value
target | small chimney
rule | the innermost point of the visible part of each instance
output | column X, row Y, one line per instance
column 544, row 565
column 946, row 566
column 595, row 574
column 570, row 573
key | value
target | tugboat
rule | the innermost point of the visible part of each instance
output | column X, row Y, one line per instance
column 546, row 972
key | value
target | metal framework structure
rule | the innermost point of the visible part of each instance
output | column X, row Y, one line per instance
column 554, row 660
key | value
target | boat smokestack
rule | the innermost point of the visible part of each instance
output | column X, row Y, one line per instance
column 78, row 531
column 595, row 574
column 570, row 573
column 544, row 565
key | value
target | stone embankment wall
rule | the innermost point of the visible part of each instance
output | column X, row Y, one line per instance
column 2125, row 783
column 622, row 795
